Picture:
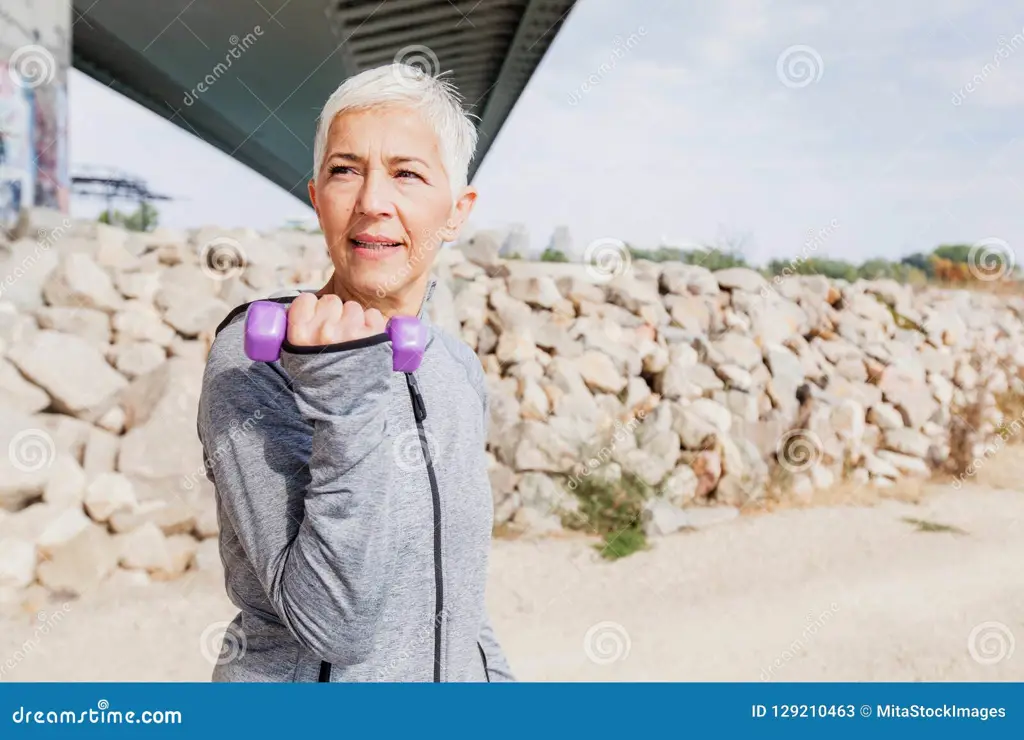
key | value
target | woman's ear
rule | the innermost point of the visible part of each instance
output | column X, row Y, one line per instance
column 460, row 213
column 312, row 199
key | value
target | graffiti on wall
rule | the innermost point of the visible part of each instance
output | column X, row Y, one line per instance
column 33, row 110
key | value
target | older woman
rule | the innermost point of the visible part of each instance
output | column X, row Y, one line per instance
column 354, row 502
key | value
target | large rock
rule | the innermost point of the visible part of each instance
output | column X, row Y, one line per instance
column 17, row 393
column 147, row 548
column 79, row 282
column 161, row 442
column 77, row 561
column 536, row 291
column 107, row 495
column 737, row 349
column 26, row 267
column 88, row 391
column 740, row 278
column 133, row 359
column 541, row 492
column 907, row 441
column 680, row 487
column 138, row 321
column 661, row 518
column 26, row 460
column 533, row 445
column 600, row 373
column 67, row 482
column 87, row 323
column 17, row 563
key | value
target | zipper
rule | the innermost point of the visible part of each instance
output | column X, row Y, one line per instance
column 420, row 413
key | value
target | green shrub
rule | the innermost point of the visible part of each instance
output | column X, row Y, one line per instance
column 613, row 511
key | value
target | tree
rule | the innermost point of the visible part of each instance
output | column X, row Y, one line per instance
column 553, row 255
column 144, row 218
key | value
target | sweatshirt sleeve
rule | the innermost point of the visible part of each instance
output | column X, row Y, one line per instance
column 326, row 575
column 497, row 666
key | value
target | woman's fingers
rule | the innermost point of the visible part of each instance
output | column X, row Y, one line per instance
column 375, row 322
column 328, row 318
column 313, row 321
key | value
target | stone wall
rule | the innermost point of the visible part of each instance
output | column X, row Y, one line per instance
column 704, row 386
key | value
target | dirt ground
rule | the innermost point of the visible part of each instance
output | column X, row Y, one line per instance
column 832, row 593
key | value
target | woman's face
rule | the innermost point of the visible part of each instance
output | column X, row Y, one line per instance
column 385, row 204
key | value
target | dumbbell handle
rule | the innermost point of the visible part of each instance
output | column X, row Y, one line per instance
column 266, row 325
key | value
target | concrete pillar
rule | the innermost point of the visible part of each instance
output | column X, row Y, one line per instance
column 35, row 53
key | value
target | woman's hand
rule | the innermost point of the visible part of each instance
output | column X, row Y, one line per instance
column 313, row 321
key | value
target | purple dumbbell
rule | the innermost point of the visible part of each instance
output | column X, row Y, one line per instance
column 266, row 325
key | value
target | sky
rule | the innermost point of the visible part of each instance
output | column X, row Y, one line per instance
column 789, row 127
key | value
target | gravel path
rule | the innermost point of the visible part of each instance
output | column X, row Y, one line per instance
column 835, row 594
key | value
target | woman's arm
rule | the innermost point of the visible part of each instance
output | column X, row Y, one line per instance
column 327, row 575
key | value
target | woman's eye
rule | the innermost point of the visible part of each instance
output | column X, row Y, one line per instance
column 340, row 169
column 407, row 174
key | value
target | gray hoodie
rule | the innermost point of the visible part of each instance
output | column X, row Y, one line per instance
column 355, row 510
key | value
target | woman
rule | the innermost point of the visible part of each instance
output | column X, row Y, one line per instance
column 354, row 502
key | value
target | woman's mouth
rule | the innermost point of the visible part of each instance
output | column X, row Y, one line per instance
column 375, row 249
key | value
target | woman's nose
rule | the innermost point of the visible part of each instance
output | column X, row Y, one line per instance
column 376, row 196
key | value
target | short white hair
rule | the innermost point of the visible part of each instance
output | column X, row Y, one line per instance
column 402, row 84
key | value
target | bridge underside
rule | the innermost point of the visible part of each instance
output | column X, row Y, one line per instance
column 250, row 76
